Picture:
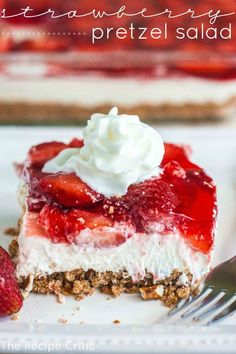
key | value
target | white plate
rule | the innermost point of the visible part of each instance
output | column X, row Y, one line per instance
column 90, row 324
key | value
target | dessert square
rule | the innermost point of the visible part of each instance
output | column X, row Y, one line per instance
column 119, row 211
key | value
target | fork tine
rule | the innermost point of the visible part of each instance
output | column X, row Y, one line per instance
column 181, row 304
column 203, row 305
column 185, row 304
column 216, row 308
column 226, row 310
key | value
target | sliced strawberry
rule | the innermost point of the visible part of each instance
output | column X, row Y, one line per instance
column 53, row 220
column 194, row 216
column 198, row 235
column 199, row 239
column 6, row 43
column 64, row 226
column 208, row 69
column 153, row 193
column 10, row 297
column 76, row 143
column 39, row 154
column 35, row 198
column 68, row 190
column 149, row 200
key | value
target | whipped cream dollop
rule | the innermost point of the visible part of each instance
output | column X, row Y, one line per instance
column 119, row 150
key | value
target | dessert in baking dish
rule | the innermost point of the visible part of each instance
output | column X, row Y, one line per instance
column 55, row 72
column 42, row 93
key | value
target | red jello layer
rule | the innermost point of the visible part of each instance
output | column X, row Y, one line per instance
column 182, row 199
column 61, row 29
column 65, row 34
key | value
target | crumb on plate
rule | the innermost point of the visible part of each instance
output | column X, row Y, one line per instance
column 62, row 320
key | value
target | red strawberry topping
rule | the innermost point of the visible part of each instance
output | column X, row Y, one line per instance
column 117, row 210
column 195, row 214
column 182, row 199
column 68, row 190
column 76, row 143
column 179, row 154
column 41, row 153
column 10, row 297
column 65, row 225
column 149, row 201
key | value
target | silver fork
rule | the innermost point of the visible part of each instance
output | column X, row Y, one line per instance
column 215, row 302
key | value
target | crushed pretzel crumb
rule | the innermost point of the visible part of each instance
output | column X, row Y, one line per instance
column 61, row 299
column 12, row 231
column 62, row 320
column 80, row 283
column 52, row 265
column 29, row 286
column 15, row 316
column 111, row 210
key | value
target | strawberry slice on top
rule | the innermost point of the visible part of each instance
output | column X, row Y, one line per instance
column 76, row 143
column 38, row 155
column 68, row 190
column 65, row 225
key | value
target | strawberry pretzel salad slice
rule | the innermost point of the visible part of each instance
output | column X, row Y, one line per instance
column 119, row 211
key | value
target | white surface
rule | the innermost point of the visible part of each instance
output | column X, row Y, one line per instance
column 91, row 91
column 110, row 159
column 138, row 331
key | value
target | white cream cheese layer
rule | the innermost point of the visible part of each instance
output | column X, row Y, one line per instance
column 92, row 91
column 141, row 253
